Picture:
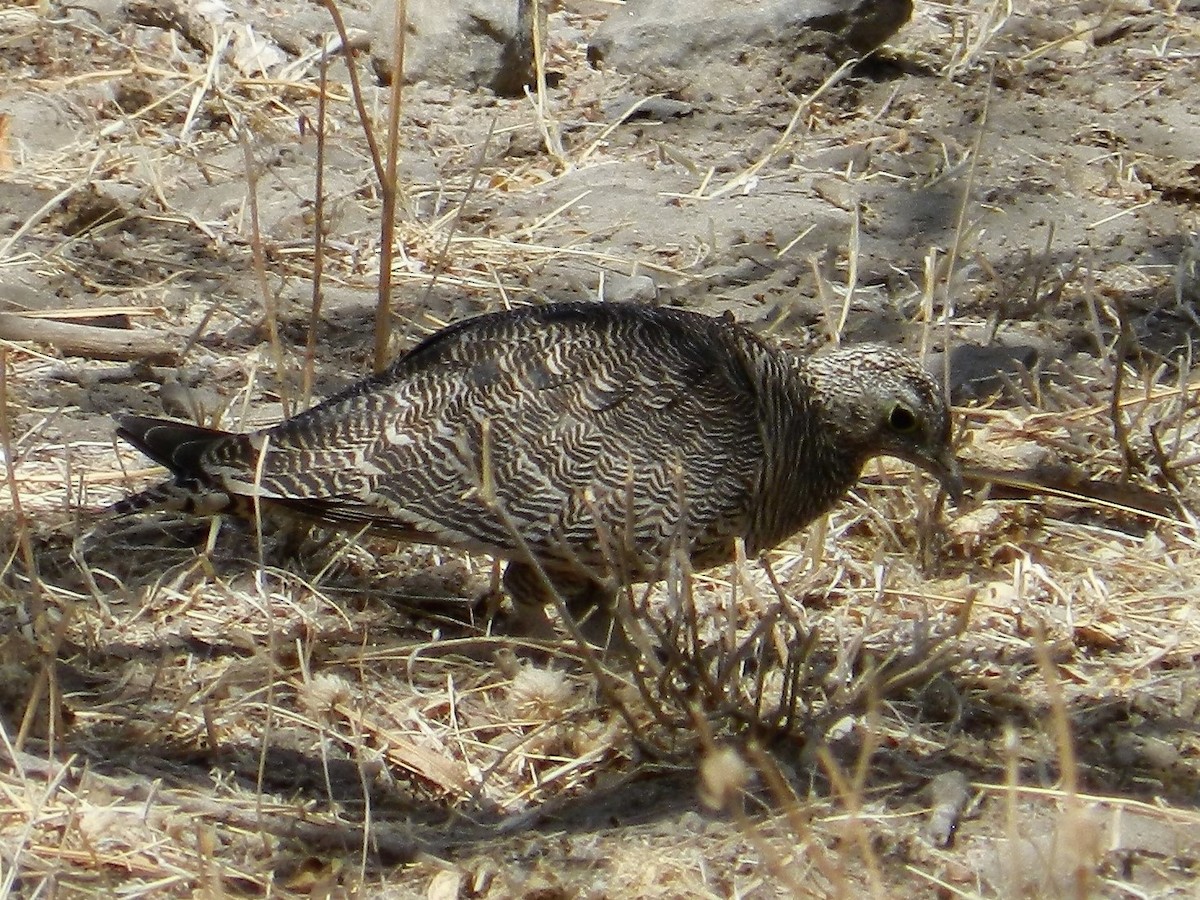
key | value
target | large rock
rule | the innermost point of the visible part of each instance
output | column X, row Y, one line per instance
column 714, row 40
column 459, row 43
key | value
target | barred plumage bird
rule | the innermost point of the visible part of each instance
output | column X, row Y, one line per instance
column 591, row 438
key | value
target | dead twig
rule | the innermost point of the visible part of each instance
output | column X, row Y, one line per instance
column 389, row 192
column 91, row 341
column 1130, row 462
column 314, row 317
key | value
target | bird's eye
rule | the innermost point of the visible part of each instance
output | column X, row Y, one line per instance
column 901, row 419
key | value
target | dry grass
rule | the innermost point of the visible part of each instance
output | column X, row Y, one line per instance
column 214, row 721
column 183, row 712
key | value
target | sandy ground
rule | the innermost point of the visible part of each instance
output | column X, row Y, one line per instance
column 186, row 714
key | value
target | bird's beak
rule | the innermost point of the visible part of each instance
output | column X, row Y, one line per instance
column 944, row 467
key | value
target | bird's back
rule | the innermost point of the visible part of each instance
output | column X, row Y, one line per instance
column 590, row 430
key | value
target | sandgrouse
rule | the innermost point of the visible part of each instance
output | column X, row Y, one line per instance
column 595, row 439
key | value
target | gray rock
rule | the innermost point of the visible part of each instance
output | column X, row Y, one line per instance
column 108, row 15
column 718, row 38
column 629, row 288
column 461, row 43
column 978, row 371
column 654, row 108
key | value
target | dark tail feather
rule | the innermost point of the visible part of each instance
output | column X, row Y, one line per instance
column 176, row 445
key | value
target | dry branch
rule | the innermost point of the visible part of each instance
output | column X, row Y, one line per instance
column 90, row 341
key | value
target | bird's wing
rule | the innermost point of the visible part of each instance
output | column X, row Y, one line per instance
column 565, row 429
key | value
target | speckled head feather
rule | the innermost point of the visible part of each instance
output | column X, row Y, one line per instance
column 596, row 438
column 881, row 401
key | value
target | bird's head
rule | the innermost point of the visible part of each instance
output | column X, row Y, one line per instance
column 876, row 400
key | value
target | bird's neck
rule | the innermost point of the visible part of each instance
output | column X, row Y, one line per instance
column 806, row 470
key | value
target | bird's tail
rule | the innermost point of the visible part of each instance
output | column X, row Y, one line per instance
column 179, row 447
column 176, row 445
